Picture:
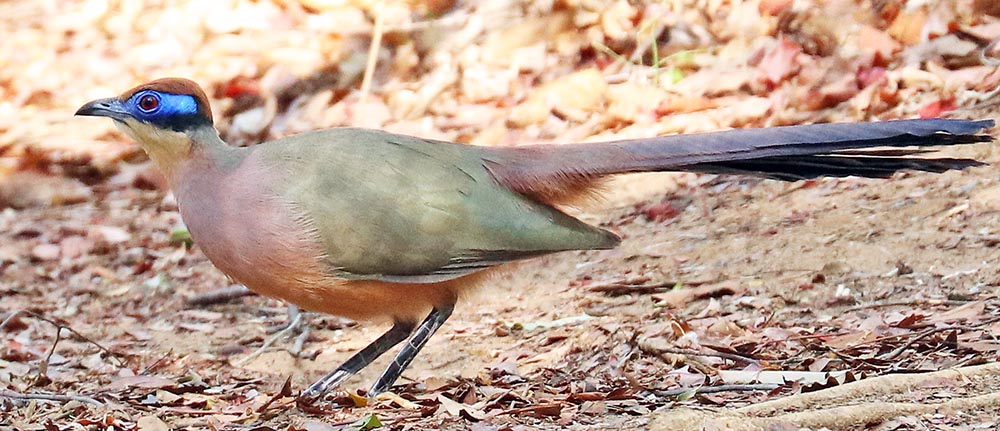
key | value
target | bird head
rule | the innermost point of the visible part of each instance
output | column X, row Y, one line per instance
column 166, row 116
column 168, row 104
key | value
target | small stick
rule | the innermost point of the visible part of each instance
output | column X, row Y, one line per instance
column 719, row 388
column 300, row 342
column 10, row 318
column 973, row 327
column 285, row 391
column 906, row 303
column 899, row 350
column 267, row 343
column 805, row 337
column 366, row 80
column 60, row 327
column 156, row 363
column 688, row 352
column 219, row 296
column 49, row 397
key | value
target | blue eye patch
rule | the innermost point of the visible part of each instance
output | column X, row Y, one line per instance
column 178, row 112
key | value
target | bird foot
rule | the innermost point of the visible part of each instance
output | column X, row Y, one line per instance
column 314, row 405
column 297, row 323
column 294, row 324
column 326, row 403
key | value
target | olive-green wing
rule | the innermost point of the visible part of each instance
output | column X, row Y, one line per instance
column 404, row 209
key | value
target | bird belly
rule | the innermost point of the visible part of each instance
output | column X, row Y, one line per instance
column 253, row 236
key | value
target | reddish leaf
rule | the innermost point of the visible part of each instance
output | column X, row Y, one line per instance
column 779, row 62
column 937, row 107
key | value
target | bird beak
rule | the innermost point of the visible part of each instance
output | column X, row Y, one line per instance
column 110, row 107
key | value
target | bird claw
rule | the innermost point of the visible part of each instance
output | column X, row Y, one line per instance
column 323, row 404
column 293, row 322
column 296, row 324
column 314, row 405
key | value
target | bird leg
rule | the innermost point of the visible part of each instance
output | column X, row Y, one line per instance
column 294, row 320
column 395, row 335
column 430, row 325
column 392, row 337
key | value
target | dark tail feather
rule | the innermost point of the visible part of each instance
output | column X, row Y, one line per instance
column 787, row 153
column 794, row 168
column 676, row 152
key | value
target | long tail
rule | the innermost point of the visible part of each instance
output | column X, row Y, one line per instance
column 551, row 172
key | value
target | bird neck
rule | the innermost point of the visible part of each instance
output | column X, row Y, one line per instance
column 180, row 154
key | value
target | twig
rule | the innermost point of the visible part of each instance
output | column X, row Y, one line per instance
column 619, row 366
column 643, row 47
column 385, row 421
column 624, row 288
column 642, row 285
column 219, row 296
column 724, row 355
column 300, row 341
column 156, row 363
column 291, row 311
column 805, row 337
column 719, row 388
column 10, row 318
column 285, row 391
column 960, row 273
column 44, row 367
column 49, row 397
column 366, row 80
column 60, row 327
column 926, row 333
column 268, row 342
column 905, row 303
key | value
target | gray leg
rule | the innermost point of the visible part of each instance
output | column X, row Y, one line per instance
column 293, row 313
column 392, row 337
column 423, row 333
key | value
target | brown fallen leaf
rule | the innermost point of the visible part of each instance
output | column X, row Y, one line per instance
column 877, row 43
column 574, row 96
column 779, row 62
column 538, row 411
column 773, row 7
column 151, row 423
column 45, row 252
column 680, row 297
column 458, row 409
column 28, row 189
column 839, row 342
column 141, row 381
column 970, row 311
column 683, row 103
column 908, row 26
column 398, row 400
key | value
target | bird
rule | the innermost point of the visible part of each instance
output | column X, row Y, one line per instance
column 367, row 224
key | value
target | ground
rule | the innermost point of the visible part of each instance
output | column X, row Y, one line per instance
column 776, row 293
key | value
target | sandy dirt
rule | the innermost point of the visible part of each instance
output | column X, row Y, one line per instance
column 770, row 242
column 719, row 282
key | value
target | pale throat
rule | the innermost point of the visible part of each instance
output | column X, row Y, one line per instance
column 167, row 148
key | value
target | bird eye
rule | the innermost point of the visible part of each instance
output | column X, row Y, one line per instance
column 149, row 103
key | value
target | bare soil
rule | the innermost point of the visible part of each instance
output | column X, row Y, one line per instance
column 826, row 304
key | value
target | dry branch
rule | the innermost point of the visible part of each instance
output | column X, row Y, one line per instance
column 836, row 407
column 4, row 393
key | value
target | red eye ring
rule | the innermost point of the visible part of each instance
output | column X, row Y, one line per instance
column 149, row 103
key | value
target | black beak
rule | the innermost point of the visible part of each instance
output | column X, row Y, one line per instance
column 111, row 107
